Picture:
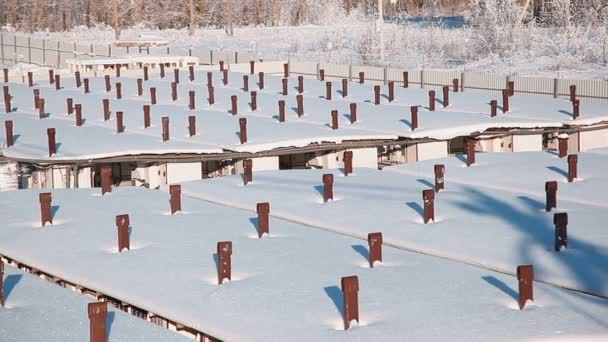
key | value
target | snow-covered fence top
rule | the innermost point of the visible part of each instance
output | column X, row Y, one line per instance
column 288, row 280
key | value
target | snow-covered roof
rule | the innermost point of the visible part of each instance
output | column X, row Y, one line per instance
column 286, row 286
column 218, row 129
column 490, row 214
column 35, row 309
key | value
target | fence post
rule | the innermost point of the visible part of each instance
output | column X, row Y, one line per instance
column 236, row 57
column 555, row 87
column 44, row 52
column 127, row 49
column 109, row 50
column 168, row 51
column 75, row 50
column 350, row 72
column 91, row 48
column 318, row 69
column 385, row 75
column 190, row 52
column 462, row 81
column 422, row 78
column 29, row 50
column 211, row 57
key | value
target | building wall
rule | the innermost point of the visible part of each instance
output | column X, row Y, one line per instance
column 411, row 153
column 154, row 176
column 139, row 176
column 431, row 150
column 183, row 172
column 84, row 177
column 259, row 164
column 325, row 160
column 61, row 178
column 526, row 143
column 363, row 157
column 266, row 164
column 573, row 143
column 593, row 139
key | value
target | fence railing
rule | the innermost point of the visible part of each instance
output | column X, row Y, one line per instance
column 19, row 48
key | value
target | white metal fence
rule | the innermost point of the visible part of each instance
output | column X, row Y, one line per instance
column 18, row 48
column 431, row 79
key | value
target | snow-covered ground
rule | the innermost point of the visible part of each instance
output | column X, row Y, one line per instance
column 218, row 129
column 491, row 214
column 288, row 281
column 36, row 310
column 576, row 52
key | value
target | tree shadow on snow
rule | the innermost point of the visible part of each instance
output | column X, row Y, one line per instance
column 585, row 262
column 532, row 203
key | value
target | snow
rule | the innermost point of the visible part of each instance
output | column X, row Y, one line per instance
column 572, row 52
column 35, row 309
column 289, row 280
column 491, row 214
column 218, row 130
